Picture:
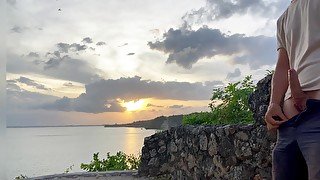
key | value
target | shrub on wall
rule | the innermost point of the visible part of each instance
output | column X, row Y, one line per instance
column 120, row 161
column 228, row 105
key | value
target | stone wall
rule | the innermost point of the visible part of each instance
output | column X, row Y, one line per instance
column 214, row 152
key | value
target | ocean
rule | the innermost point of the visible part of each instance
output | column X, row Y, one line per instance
column 51, row 150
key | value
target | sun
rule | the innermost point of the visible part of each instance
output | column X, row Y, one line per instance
column 134, row 105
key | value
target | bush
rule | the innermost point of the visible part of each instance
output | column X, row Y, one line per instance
column 21, row 177
column 120, row 161
column 233, row 107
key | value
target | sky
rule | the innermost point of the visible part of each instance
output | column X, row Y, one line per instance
column 109, row 61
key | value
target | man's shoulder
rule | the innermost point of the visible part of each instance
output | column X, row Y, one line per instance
column 282, row 16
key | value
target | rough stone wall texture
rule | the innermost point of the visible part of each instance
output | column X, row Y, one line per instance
column 214, row 152
column 259, row 100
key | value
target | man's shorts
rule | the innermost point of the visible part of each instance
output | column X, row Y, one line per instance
column 296, row 155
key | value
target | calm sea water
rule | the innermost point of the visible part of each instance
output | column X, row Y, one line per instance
column 51, row 150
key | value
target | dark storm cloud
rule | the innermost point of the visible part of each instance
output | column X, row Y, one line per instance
column 81, row 105
column 132, row 88
column 77, row 47
column 153, row 105
column 32, row 83
column 125, row 44
column 87, row 40
column 12, row 86
column 175, row 106
column 234, row 74
column 12, row 2
column 17, row 29
column 70, row 69
column 33, row 54
column 18, row 99
column 185, row 47
column 11, row 81
column 55, row 54
column 65, row 47
column 68, row 84
column 219, row 9
column 55, row 61
column 214, row 83
column 57, row 64
column 103, row 96
column 101, row 43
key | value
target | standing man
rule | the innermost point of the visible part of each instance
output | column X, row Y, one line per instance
column 294, row 108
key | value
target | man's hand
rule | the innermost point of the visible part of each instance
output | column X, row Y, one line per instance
column 274, row 116
column 298, row 96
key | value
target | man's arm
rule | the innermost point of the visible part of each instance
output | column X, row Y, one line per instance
column 279, row 85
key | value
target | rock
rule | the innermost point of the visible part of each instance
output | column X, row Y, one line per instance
column 191, row 161
column 173, row 147
column 203, row 142
column 221, row 170
column 259, row 99
column 153, row 153
column 153, row 162
column 162, row 149
column 242, row 136
column 229, row 129
column 161, row 143
column 212, row 145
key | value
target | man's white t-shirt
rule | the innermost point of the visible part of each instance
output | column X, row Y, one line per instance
column 298, row 31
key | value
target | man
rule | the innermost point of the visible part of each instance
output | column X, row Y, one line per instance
column 294, row 108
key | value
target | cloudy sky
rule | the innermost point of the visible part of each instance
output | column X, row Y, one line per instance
column 110, row 61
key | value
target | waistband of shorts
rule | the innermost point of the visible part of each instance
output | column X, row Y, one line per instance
column 313, row 103
column 311, row 106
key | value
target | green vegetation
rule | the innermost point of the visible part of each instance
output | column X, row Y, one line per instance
column 68, row 169
column 120, row 161
column 21, row 177
column 233, row 107
column 269, row 72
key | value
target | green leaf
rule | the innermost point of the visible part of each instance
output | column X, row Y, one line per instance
column 234, row 106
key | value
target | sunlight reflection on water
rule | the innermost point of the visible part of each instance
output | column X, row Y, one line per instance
column 50, row 150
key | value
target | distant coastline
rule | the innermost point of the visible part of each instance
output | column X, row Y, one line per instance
column 161, row 122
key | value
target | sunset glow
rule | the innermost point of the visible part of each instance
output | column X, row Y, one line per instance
column 72, row 68
column 134, row 105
